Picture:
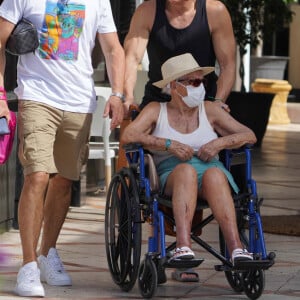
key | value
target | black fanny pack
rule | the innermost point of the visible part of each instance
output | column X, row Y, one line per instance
column 23, row 39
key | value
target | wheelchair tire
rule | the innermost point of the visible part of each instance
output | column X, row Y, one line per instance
column 254, row 283
column 147, row 278
column 161, row 271
column 235, row 280
column 123, row 229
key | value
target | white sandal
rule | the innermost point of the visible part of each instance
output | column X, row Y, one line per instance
column 183, row 253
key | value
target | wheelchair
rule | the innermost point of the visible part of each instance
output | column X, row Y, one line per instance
column 134, row 198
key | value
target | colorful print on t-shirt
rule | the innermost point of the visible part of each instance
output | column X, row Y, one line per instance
column 61, row 30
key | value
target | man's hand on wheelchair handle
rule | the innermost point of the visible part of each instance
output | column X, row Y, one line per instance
column 224, row 106
column 114, row 110
column 129, row 105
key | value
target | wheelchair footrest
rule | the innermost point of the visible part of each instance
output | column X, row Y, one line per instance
column 247, row 266
column 183, row 263
column 253, row 265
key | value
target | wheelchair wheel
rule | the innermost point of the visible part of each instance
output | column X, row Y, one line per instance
column 160, row 270
column 235, row 280
column 123, row 229
column 254, row 283
column 147, row 278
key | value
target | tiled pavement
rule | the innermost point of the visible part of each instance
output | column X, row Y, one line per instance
column 276, row 168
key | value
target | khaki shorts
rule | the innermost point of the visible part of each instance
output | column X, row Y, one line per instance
column 52, row 140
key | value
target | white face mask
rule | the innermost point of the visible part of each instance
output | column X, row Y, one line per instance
column 195, row 95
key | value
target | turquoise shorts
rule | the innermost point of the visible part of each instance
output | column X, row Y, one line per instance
column 167, row 166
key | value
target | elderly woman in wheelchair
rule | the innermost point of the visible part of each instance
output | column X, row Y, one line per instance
column 185, row 137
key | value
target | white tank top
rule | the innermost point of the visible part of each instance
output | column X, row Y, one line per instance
column 202, row 135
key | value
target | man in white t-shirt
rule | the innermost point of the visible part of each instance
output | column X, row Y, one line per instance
column 56, row 97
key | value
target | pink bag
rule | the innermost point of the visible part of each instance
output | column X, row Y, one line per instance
column 7, row 140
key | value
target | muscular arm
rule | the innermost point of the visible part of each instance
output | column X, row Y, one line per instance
column 115, row 62
column 135, row 45
column 224, row 45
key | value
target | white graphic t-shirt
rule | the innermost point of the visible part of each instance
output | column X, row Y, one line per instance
column 59, row 73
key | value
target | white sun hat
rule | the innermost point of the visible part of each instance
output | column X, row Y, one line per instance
column 177, row 66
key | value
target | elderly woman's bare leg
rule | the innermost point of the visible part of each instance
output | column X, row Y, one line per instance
column 182, row 185
column 216, row 191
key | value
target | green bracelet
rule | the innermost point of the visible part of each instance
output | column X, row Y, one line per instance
column 215, row 99
column 168, row 144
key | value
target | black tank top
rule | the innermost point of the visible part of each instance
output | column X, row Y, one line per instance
column 165, row 41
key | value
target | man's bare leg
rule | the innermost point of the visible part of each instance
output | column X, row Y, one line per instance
column 56, row 206
column 30, row 213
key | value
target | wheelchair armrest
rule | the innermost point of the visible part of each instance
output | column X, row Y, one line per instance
column 132, row 147
column 234, row 151
column 241, row 149
column 241, row 160
column 227, row 155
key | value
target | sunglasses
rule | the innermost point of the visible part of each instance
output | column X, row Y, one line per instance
column 194, row 82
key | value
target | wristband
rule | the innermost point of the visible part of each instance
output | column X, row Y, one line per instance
column 215, row 99
column 168, row 143
column 3, row 95
column 119, row 95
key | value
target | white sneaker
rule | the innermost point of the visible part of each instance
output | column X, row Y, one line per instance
column 241, row 255
column 52, row 269
column 28, row 281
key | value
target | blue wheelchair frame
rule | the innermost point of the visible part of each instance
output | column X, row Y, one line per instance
column 256, row 245
column 247, row 276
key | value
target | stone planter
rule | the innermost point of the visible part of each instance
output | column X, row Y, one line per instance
column 281, row 89
column 270, row 67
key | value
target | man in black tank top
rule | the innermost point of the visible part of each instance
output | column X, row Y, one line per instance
column 172, row 27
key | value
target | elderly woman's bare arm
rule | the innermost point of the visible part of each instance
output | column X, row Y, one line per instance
column 139, row 131
column 232, row 133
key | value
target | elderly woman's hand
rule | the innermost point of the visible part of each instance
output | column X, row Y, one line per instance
column 182, row 151
column 209, row 151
